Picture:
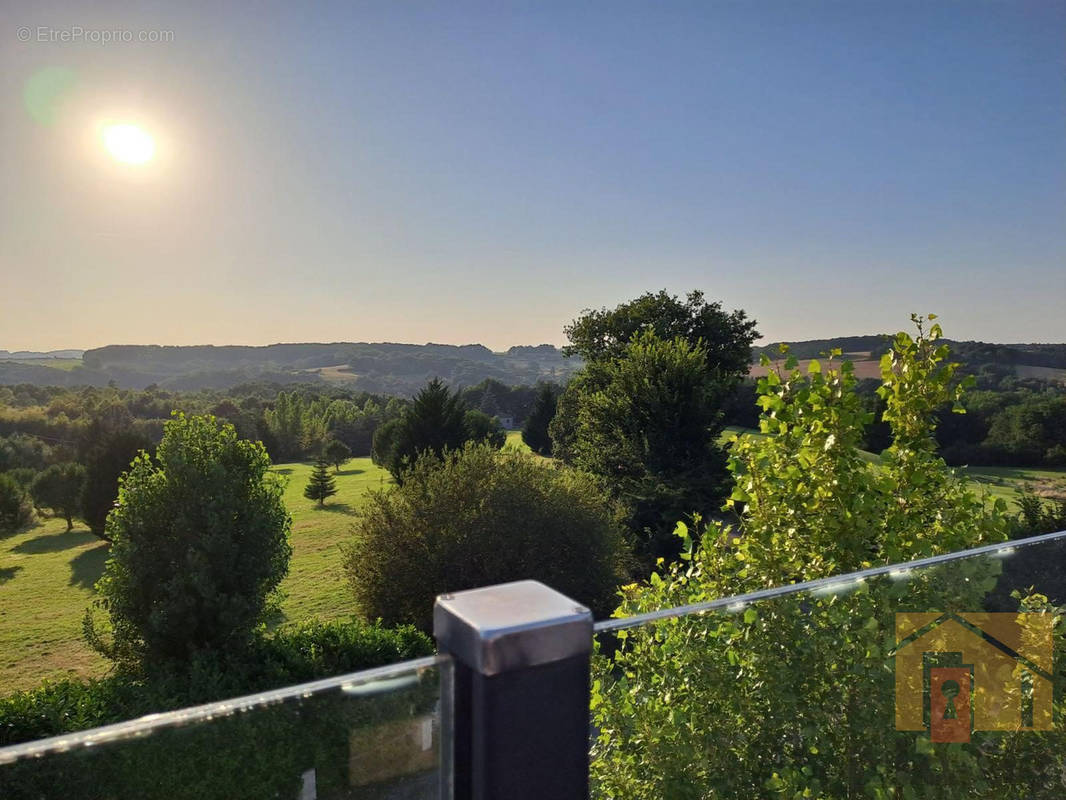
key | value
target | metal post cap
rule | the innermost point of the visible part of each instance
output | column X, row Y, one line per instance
column 511, row 626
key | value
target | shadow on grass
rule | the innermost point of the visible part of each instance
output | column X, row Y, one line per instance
column 55, row 542
column 992, row 480
column 339, row 508
column 283, row 471
column 7, row 573
column 275, row 618
column 87, row 567
column 351, row 472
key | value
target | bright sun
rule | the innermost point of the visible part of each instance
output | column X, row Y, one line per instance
column 128, row 144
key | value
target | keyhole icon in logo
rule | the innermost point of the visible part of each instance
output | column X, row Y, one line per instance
column 950, row 690
column 950, row 712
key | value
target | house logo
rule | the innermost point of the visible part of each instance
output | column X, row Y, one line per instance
column 962, row 672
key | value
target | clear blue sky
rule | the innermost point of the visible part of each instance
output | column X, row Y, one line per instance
column 460, row 172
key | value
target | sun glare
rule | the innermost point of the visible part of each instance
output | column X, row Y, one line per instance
column 128, row 144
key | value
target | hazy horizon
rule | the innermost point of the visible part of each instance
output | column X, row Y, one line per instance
column 483, row 172
column 762, row 341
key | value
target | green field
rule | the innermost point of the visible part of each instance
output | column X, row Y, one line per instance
column 47, row 574
column 65, row 364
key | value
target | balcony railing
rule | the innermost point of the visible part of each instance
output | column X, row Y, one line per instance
column 896, row 669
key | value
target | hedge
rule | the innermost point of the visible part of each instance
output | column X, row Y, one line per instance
column 257, row 753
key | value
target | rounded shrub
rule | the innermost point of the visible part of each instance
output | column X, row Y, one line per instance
column 478, row 517
column 200, row 539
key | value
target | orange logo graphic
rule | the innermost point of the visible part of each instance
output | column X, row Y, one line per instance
column 962, row 672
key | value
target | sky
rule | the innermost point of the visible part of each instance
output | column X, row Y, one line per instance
column 481, row 172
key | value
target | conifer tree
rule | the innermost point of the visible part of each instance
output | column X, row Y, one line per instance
column 435, row 421
column 321, row 484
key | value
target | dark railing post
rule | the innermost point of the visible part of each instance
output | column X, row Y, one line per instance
column 521, row 705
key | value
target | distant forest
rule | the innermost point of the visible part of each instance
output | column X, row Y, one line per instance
column 384, row 368
column 1016, row 408
column 972, row 354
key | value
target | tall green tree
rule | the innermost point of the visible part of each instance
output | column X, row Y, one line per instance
column 106, row 453
column 726, row 337
column 602, row 336
column 650, row 433
column 535, row 430
column 59, row 488
column 436, row 421
column 285, row 423
column 200, row 539
column 321, row 485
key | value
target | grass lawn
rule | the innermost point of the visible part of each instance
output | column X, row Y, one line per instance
column 47, row 575
column 1006, row 482
column 46, row 579
column 315, row 585
column 514, row 439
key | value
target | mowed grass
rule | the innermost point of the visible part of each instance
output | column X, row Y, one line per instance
column 1008, row 482
column 46, row 579
column 47, row 575
column 315, row 586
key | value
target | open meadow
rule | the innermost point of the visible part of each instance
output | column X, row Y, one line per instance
column 47, row 576
column 47, row 573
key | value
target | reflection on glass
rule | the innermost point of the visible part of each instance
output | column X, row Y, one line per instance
column 932, row 680
column 376, row 734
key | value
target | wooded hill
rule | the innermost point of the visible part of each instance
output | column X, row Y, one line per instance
column 387, row 368
column 400, row 369
column 1042, row 360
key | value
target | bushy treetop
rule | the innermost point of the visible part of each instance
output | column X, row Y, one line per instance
column 200, row 539
column 727, row 337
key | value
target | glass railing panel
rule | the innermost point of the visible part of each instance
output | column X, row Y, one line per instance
column 382, row 733
column 936, row 679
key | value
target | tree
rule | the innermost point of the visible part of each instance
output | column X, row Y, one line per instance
column 200, row 539
column 385, row 441
column 15, row 508
column 535, row 431
column 436, row 421
column 792, row 696
column 594, row 405
column 727, row 338
column 650, row 433
column 322, row 484
column 59, row 488
column 106, row 454
column 480, row 427
column 285, row 423
column 336, row 453
column 476, row 517
column 21, row 451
